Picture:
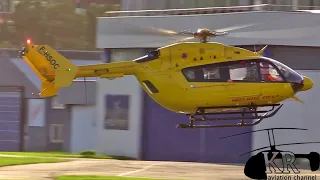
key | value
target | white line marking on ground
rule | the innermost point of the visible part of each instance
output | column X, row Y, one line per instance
column 139, row 170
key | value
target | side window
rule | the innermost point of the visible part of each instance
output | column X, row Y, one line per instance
column 211, row 73
column 269, row 73
column 202, row 74
column 190, row 74
column 244, row 71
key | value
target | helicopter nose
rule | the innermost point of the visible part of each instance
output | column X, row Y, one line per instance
column 307, row 84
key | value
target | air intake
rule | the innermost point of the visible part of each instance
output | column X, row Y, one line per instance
column 151, row 88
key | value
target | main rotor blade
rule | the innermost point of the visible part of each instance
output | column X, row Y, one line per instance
column 186, row 39
column 231, row 28
column 293, row 33
column 171, row 32
column 161, row 31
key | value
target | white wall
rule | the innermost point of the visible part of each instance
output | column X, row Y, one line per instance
column 120, row 142
column 295, row 115
column 83, row 128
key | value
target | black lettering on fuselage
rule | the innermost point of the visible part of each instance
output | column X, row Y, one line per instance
column 49, row 58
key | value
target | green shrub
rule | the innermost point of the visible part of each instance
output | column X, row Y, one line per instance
column 88, row 152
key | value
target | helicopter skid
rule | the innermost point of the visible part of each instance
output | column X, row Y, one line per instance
column 246, row 110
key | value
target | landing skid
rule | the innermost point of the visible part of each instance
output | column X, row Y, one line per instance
column 256, row 118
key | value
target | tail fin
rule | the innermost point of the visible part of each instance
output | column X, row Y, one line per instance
column 53, row 69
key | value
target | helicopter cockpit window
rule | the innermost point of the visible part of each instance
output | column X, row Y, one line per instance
column 244, row 71
column 152, row 55
column 269, row 73
column 289, row 74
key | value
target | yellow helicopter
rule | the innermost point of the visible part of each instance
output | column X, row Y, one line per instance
column 198, row 79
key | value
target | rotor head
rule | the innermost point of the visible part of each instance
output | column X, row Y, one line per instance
column 204, row 34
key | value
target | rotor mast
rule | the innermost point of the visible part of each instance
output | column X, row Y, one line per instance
column 205, row 34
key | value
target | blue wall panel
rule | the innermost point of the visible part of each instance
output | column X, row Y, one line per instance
column 163, row 141
column 10, row 120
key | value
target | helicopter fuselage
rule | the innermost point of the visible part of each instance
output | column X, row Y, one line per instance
column 184, row 77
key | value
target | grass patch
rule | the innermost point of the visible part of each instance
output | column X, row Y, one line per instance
column 9, row 161
column 85, row 154
column 42, row 154
column 76, row 177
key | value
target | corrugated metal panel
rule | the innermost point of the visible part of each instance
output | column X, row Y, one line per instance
column 10, row 119
column 302, row 58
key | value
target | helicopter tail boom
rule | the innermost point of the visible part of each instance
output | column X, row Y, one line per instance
column 55, row 71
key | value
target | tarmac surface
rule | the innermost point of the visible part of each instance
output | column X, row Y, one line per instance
column 108, row 167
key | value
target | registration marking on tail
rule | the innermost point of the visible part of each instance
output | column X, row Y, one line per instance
column 42, row 50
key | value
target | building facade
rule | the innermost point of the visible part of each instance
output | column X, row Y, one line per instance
column 37, row 124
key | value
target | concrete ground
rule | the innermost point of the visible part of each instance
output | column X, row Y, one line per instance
column 153, row 169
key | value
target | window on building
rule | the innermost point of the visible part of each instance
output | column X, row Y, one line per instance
column 55, row 104
column 56, row 133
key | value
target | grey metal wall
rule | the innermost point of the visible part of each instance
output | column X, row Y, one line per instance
column 273, row 28
column 169, row 4
column 128, row 5
column 58, row 116
column 81, row 92
column 300, row 58
column 296, row 57
column 11, row 75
